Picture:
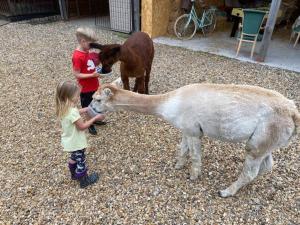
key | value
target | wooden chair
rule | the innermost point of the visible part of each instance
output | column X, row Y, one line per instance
column 252, row 22
column 296, row 31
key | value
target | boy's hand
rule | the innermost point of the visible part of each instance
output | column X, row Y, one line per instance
column 95, row 74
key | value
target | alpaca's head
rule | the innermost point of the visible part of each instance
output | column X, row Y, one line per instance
column 109, row 55
column 104, row 99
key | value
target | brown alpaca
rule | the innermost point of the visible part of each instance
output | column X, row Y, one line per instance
column 136, row 56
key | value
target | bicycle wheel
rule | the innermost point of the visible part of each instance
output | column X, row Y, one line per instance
column 211, row 21
column 183, row 28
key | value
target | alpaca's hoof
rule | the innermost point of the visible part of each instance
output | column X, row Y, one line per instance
column 225, row 193
column 179, row 166
column 264, row 170
column 194, row 176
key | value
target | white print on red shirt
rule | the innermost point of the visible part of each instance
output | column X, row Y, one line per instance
column 90, row 65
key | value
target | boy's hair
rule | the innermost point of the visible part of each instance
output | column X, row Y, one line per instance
column 65, row 92
column 86, row 33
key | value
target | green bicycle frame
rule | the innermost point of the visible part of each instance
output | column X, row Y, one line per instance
column 205, row 20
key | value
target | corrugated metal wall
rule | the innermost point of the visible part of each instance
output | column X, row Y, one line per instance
column 115, row 15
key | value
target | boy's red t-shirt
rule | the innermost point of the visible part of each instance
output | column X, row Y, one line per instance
column 85, row 63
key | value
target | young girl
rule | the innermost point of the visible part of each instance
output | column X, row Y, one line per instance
column 73, row 138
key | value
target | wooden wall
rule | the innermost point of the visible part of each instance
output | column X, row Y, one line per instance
column 158, row 16
column 146, row 16
column 161, row 12
column 155, row 16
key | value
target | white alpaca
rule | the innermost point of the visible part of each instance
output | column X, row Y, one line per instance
column 265, row 119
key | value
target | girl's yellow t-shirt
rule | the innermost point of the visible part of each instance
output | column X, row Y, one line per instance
column 72, row 139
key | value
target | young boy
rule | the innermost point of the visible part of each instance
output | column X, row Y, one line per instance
column 84, row 65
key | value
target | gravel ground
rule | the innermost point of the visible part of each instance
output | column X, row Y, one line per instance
column 135, row 154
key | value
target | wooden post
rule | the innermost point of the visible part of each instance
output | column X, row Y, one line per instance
column 136, row 15
column 12, row 8
column 77, row 8
column 63, row 9
column 268, row 30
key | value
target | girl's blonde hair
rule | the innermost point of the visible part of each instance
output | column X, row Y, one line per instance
column 65, row 93
column 86, row 33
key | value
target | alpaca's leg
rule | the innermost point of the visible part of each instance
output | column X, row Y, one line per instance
column 135, row 88
column 125, row 82
column 266, row 165
column 250, row 171
column 267, row 137
column 147, row 78
column 141, row 84
column 194, row 145
column 257, row 147
column 182, row 153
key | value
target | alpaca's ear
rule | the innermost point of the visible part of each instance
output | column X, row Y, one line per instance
column 118, row 82
column 96, row 45
column 107, row 92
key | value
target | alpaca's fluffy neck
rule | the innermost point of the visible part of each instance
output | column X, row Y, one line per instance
column 128, row 57
column 147, row 104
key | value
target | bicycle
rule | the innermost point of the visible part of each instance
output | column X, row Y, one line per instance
column 186, row 25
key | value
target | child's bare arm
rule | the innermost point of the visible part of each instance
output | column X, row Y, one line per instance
column 81, row 125
column 83, row 110
column 79, row 75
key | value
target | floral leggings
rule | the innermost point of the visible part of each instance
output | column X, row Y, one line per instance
column 79, row 157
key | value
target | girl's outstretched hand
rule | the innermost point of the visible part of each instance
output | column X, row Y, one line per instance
column 99, row 117
column 83, row 110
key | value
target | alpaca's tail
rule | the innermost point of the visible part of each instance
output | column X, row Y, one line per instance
column 296, row 119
